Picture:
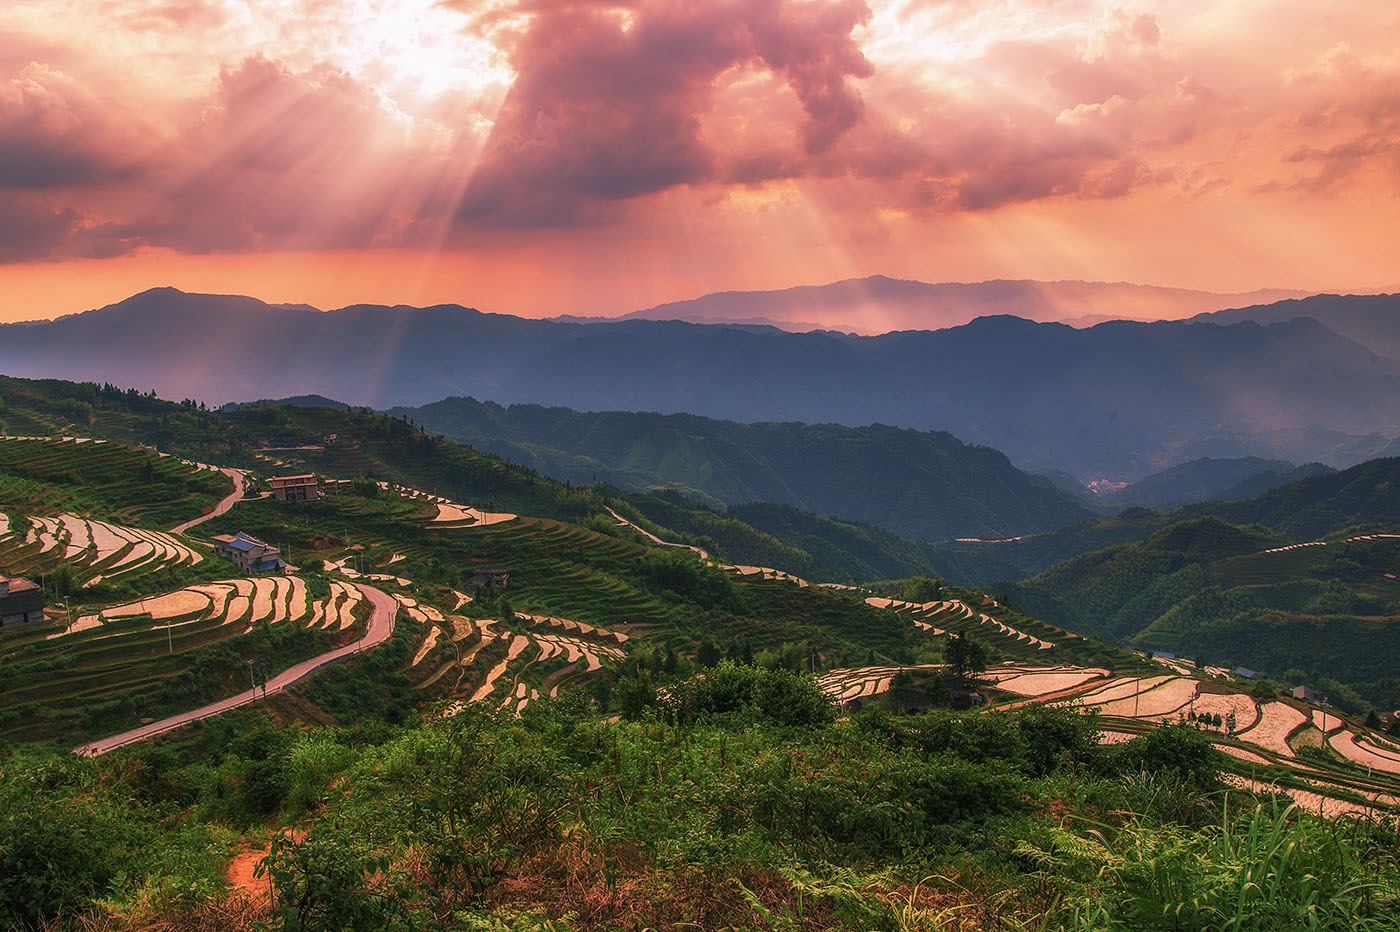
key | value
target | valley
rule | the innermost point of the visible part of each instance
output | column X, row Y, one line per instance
column 585, row 591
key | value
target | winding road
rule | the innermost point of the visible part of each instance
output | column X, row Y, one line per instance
column 653, row 538
column 381, row 627
column 229, row 501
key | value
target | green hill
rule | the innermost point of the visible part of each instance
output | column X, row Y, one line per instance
column 1365, row 496
column 573, row 571
column 922, row 485
column 1321, row 615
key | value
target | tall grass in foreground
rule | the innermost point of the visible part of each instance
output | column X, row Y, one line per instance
column 1269, row 868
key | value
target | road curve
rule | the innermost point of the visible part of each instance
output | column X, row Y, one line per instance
column 381, row 626
column 229, row 501
column 653, row 538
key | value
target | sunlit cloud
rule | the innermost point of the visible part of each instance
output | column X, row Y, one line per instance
column 771, row 141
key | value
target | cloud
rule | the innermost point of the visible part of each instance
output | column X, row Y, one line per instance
column 319, row 125
column 289, row 160
column 1350, row 117
column 55, row 132
column 610, row 101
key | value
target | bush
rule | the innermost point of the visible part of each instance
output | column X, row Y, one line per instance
column 1180, row 750
column 748, row 695
column 62, row 845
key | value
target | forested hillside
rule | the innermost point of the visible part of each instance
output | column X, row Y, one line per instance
column 917, row 484
column 1364, row 496
column 1322, row 615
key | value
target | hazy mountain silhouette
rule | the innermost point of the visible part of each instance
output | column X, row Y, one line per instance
column 1371, row 320
column 879, row 304
column 1121, row 399
column 1208, row 478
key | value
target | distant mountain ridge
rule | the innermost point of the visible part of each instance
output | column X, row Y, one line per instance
column 1371, row 320
column 1208, row 478
column 880, row 304
column 1121, row 399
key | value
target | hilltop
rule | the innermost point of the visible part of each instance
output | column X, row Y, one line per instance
column 1303, row 510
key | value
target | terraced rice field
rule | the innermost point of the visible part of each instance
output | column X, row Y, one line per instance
column 450, row 513
column 567, row 648
column 1245, row 710
column 845, row 684
column 1035, row 683
column 954, row 615
column 99, row 550
column 1277, row 720
column 1365, row 751
column 118, row 659
column 133, row 486
column 239, row 603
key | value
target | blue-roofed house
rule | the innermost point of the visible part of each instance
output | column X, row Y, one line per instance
column 248, row 553
column 1244, row 673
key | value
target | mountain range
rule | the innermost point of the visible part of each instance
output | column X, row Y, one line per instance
column 879, row 304
column 1119, row 399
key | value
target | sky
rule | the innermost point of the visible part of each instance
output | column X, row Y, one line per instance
column 547, row 157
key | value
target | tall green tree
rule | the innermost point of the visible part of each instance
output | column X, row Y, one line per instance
column 966, row 657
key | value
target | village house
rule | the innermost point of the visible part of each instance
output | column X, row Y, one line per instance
column 1244, row 673
column 248, row 553
column 20, row 601
column 1308, row 694
column 295, row 488
column 494, row 578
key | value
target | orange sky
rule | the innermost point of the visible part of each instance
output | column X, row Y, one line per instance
column 571, row 156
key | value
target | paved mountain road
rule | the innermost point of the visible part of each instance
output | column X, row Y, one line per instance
column 229, row 501
column 381, row 626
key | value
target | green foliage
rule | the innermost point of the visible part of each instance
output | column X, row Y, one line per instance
column 745, row 695
column 920, row 589
column 1265, row 869
column 1263, row 691
column 937, row 693
column 683, row 575
column 1179, row 750
column 966, row 658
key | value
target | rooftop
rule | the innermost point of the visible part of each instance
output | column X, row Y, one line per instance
column 240, row 541
column 18, row 583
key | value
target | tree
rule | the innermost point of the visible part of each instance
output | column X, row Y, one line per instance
column 634, row 694
column 937, row 693
column 1263, row 691
column 922, row 589
column 602, row 693
column 62, row 579
column 707, row 655
column 966, row 657
column 903, row 693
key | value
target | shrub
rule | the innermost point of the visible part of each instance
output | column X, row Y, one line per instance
column 1176, row 749
column 749, row 694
